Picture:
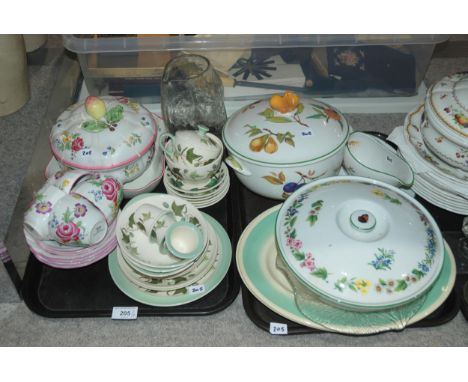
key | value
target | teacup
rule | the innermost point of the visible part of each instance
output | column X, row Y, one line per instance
column 184, row 240
column 105, row 193
column 160, row 227
column 370, row 157
column 76, row 221
column 145, row 217
column 194, row 148
column 66, row 180
column 192, row 174
column 37, row 216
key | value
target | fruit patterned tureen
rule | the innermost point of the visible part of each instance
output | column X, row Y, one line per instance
column 278, row 144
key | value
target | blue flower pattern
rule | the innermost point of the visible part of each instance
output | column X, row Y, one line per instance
column 384, row 260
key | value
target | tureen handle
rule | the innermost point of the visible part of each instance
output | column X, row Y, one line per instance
column 236, row 165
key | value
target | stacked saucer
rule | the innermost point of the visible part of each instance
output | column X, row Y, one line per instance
column 200, row 194
column 168, row 253
column 62, row 256
column 435, row 180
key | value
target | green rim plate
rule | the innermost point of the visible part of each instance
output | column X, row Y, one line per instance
column 145, row 297
column 257, row 244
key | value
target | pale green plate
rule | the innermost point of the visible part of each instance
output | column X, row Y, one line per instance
column 256, row 255
column 182, row 296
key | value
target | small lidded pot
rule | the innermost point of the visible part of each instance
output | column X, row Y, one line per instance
column 278, row 144
column 109, row 135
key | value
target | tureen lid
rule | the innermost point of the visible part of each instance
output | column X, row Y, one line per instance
column 285, row 130
column 359, row 243
column 102, row 133
column 447, row 106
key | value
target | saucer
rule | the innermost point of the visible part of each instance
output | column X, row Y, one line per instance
column 185, row 187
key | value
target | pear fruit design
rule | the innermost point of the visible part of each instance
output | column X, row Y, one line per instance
column 271, row 146
column 95, row 107
column 258, row 144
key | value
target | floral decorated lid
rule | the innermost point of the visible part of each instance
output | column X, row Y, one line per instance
column 285, row 129
column 447, row 107
column 359, row 243
column 102, row 133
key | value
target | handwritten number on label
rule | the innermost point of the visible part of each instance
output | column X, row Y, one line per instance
column 125, row 313
column 278, row 329
column 195, row 289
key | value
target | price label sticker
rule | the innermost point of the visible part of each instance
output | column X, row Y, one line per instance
column 196, row 289
column 278, row 329
column 125, row 313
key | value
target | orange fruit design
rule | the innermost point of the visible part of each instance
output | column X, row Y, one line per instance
column 332, row 114
column 285, row 103
column 462, row 120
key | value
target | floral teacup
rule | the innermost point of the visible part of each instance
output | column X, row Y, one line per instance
column 75, row 221
column 66, row 180
column 105, row 193
column 160, row 227
column 194, row 148
column 37, row 216
column 192, row 174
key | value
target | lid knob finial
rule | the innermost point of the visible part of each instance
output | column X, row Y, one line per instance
column 95, row 107
column 285, row 103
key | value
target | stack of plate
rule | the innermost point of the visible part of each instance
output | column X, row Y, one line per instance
column 200, row 195
column 62, row 256
column 435, row 180
column 360, row 249
column 147, row 271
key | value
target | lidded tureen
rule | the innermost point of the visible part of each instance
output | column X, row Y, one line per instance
column 358, row 243
column 111, row 135
column 278, row 144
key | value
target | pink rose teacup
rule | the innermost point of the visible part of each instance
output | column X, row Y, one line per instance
column 37, row 216
column 66, row 180
column 75, row 221
column 105, row 193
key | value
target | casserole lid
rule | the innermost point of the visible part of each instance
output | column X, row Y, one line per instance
column 285, row 129
column 102, row 133
column 360, row 243
column 447, row 107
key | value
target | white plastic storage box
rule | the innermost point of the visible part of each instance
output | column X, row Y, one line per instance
column 252, row 65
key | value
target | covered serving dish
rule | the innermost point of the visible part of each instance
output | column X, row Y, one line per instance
column 445, row 128
column 110, row 135
column 277, row 145
column 359, row 244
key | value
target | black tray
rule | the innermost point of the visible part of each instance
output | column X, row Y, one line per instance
column 90, row 291
column 252, row 205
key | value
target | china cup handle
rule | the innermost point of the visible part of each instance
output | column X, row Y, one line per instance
column 162, row 140
column 237, row 165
